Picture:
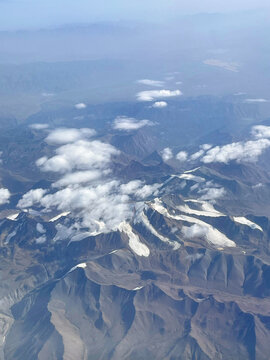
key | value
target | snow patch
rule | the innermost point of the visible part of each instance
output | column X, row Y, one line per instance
column 211, row 234
column 13, row 216
column 192, row 170
column 134, row 241
column 137, row 288
column 113, row 252
column 59, row 216
column 186, row 176
column 82, row 266
column 207, row 210
column 245, row 221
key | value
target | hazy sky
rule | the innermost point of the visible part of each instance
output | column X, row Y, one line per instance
column 18, row 14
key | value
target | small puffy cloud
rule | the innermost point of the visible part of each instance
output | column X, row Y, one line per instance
column 138, row 189
column 166, row 154
column 81, row 155
column 67, row 135
column 4, row 196
column 211, row 193
column 194, row 231
column 261, row 131
column 80, row 106
column 160, row 104
column 78, row 177
column 197, row 155
column 201, row 152
column 206, row 147
column 157, row 94
column 238, row 151
column 256, row 100
column 39, row 126
column 182, row 156
column 124, row 123
column 131, row 187
column 149, row 82
column 31, row 198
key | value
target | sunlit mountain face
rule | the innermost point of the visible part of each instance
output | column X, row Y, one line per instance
column 135, row 189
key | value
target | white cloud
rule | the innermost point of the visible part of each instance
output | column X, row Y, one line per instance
column 182, row 156
column 166, row 154
column 86, row 191
column 149, row 82
column 4, row 196
column 211, row 194
column 157, row 94
column 231, row 66
column 160, row 104
column 238, row 151
column 124, row 123
column 197, row 155
column 100, row 208
column 79, row 177
column 80, row 106
column 66, row 135
column 261, row 131
column 194, row 231
column 206, row 147
column 256, row 100
column 39, row 126
column 201, row 152
column 31, row 198
column 138, row 189
column 81, row 155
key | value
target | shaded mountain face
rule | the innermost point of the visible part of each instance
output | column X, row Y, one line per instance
column 112, row 248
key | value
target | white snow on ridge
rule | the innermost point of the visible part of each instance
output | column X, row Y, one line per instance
column 13, row 216
column 59, row 216
column 192, row 170
column 148, row 225
column 187, row 176
column 207, row 209
column 137, row 288
column 212, row 235
column 134, row 241
column 113, row 252
column 82, row 266
column 244, row 221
